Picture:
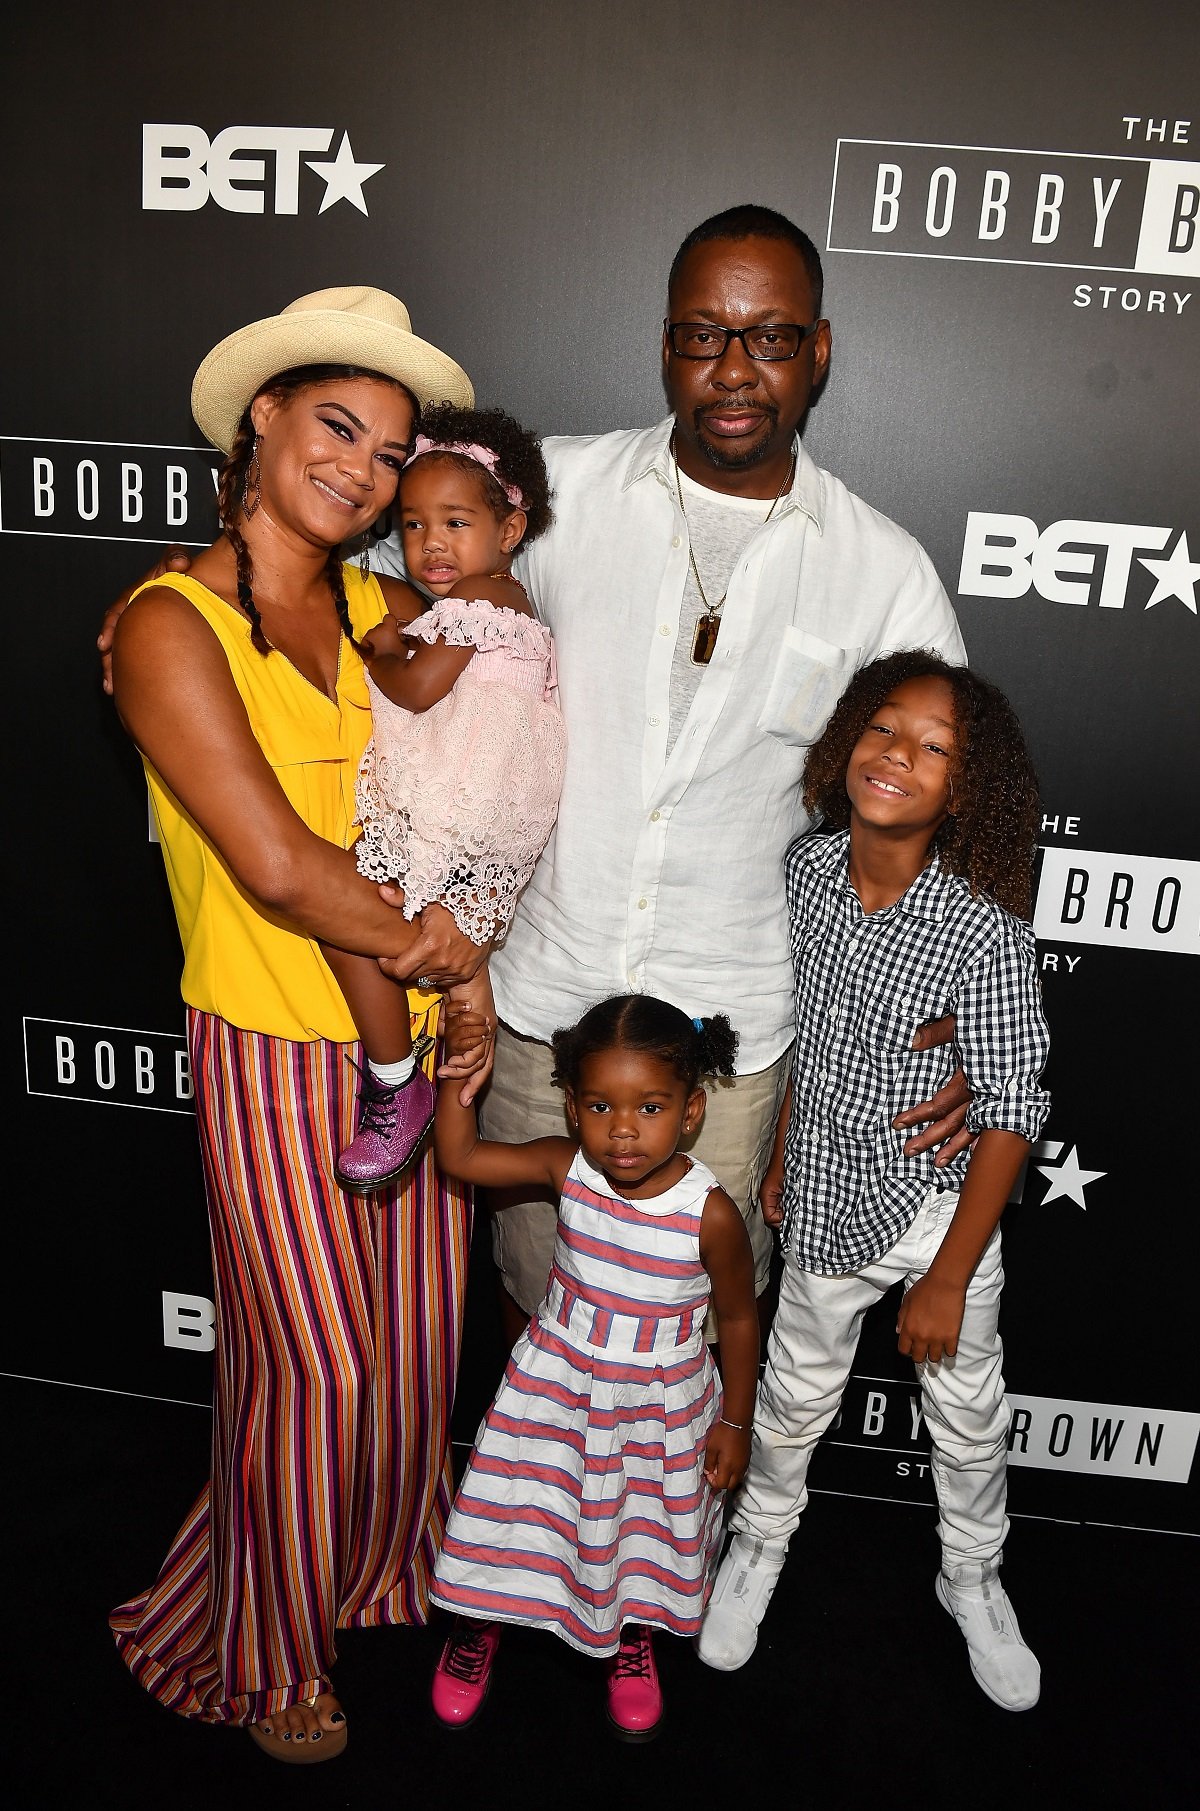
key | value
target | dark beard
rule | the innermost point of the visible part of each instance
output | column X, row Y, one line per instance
column 733, row 462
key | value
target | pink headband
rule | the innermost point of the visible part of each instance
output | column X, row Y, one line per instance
column 482, row 455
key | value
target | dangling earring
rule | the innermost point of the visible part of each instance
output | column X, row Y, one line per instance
column 252, row 483
column 364, row 554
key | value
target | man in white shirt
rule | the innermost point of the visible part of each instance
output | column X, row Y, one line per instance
column 710, row 590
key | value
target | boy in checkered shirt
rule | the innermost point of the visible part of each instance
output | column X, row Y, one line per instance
column 915, row 907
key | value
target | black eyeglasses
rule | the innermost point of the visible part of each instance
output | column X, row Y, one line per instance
column 702, row 339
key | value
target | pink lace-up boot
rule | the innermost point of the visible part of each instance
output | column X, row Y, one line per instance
column 392, row 1124
column 635, row 1700
column 464, row 1672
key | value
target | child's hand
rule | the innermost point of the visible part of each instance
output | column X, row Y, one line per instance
column 726, row 1456
column 385, row 638
column 465, row 1034
column 469, row 1033
column 770, row 1195
column 930, row 1320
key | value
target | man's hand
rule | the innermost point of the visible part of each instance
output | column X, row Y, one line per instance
column 442, row 956
column 930, row 1320
column 944, row 1115
column 171, row 559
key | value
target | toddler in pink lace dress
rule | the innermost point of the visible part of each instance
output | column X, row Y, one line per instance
column 458, row 788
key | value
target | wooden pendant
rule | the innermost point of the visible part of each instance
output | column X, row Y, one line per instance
column 705, row 639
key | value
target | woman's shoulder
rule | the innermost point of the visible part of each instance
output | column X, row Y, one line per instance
column 172, row 607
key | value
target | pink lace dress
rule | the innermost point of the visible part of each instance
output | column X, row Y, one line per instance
column 457, row 802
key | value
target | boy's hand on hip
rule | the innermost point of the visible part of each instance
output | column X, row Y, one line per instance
column 930, row 1320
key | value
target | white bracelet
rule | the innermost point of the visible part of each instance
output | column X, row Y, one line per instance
column 739, row 1425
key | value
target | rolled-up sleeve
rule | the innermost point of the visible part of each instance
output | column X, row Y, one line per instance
column 1003, row 1037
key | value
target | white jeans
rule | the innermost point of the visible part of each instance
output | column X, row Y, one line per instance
column 809, row 1355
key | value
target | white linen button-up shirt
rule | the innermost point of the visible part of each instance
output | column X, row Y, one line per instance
column 664, row 872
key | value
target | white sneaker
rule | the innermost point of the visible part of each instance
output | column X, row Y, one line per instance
column 729, row 1632
column 1003, row 1666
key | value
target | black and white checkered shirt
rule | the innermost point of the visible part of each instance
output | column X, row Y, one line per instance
column 864, row 982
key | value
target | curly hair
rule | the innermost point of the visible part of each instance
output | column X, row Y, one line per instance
column 990, row 836
column 519, row 461
column 692, row 1047
column 232, row 484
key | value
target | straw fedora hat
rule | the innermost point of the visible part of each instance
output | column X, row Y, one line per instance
column 353, row 326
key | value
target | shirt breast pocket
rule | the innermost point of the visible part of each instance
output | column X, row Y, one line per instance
column 810, row 676
column 886, row 1026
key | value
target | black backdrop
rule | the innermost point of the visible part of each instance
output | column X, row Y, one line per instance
column 1014, row 379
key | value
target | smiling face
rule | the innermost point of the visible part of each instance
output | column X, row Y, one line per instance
column 330, row 455
column 899, row 775
column 629, row 1111
column 448, row 527
column 735, row 417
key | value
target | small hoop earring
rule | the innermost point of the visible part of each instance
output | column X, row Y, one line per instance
column 252, row 483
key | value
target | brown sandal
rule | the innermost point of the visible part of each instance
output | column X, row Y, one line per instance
column 304, row 1753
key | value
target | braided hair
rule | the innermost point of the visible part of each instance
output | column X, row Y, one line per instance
column 231, row 488
column 692, row 1047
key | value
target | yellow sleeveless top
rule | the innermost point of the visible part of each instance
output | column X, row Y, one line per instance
column 237, row 963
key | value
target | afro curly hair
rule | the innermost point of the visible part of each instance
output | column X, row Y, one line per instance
column 692, row 1047
column 990, row 836
column 519, row 461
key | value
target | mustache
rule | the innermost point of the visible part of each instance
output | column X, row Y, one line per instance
column 736, row 405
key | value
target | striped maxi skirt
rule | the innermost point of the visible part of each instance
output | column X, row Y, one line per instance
column 338, row 1329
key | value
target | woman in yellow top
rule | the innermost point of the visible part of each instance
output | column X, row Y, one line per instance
column 338, row 1318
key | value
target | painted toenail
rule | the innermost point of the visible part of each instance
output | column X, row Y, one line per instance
column 337, row 1717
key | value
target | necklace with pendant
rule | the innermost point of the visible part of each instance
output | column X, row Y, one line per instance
column 708, row 624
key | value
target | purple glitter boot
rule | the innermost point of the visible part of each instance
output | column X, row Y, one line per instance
column 391, row 1129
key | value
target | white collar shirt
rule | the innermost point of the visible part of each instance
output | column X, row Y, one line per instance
column 664, row 873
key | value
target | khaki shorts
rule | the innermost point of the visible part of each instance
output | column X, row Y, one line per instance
column 735, row 1141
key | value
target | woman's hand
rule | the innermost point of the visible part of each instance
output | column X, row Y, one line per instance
column 171, row 559
column 441, row 956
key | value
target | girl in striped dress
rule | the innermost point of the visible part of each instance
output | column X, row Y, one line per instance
column 592, row 1505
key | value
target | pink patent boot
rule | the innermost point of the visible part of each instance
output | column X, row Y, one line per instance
column 635, row 1700
column 464, row 1672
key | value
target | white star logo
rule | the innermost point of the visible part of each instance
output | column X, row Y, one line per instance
column 1175, row 577
column 343, row 178
column 1066, row 1178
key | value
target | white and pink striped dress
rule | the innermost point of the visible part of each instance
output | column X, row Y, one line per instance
column 584, row 1506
